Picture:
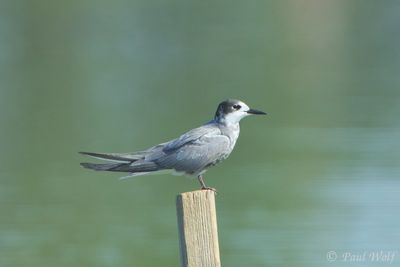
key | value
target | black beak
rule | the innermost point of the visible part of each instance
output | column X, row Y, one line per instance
column 256, row 112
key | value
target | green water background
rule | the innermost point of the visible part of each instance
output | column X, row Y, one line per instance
column 320, row 173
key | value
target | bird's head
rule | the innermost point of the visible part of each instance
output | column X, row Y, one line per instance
column 231, row 111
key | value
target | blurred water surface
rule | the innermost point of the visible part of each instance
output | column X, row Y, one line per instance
column 320, row 173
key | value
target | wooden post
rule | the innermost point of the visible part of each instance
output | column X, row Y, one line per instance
column 197, row 225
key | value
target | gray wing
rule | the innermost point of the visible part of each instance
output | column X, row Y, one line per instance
column 195, row 151
column 191, row 153
column 191, row 136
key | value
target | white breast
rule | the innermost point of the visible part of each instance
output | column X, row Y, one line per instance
column 232, row 132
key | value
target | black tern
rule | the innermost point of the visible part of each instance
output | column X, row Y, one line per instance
column 192, row 153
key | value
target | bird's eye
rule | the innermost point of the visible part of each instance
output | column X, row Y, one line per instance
column 237, row 107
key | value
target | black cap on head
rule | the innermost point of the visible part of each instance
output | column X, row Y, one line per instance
column 232, row 105
column 227, row 106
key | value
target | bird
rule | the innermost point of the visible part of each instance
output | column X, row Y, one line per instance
column 192, row 153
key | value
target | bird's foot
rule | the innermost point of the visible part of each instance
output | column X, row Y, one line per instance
column 209, row 188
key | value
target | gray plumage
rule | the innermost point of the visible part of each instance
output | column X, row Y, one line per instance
column 192, row 153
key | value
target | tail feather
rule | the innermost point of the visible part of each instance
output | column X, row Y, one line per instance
column 101, row 167
column 122, row 167
column 132, row 163
column 121, row 157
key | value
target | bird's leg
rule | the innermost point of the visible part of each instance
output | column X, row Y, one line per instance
column 203, row 185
